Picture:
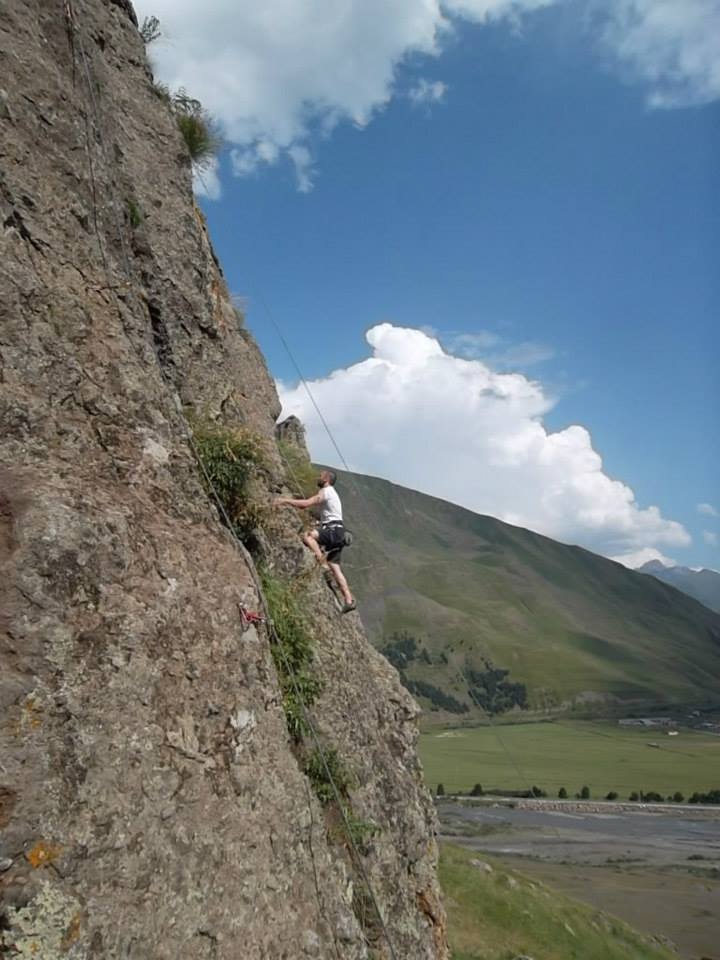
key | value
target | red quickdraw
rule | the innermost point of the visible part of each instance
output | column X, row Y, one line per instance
column 249, row 618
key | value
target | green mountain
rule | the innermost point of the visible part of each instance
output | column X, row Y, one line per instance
column 479, row 615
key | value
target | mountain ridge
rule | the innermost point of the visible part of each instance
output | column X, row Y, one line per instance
column 702, row 584
column 581, row 632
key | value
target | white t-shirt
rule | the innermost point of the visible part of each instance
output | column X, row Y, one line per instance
column 330, row 508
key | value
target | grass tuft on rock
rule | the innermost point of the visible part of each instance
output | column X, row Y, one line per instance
column 294, row 655
column 233, row 459
column 320, row 772
column 135, row 214
column 198, row 128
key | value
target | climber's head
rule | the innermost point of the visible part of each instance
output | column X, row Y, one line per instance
column 326, row 478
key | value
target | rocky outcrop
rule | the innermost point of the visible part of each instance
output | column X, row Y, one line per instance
column 292, row 431
column 151, row 800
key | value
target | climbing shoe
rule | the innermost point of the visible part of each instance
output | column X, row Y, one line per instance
column 347, row 607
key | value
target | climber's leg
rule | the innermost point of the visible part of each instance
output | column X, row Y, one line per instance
column 310, row 539
column 342, row 583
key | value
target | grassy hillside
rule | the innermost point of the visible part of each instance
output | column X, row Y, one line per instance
column 498, row 914
column 579, row 631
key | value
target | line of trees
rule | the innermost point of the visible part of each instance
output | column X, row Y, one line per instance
column 437, row 697
column 491, row 690
column 488, row 688
column 636, row 796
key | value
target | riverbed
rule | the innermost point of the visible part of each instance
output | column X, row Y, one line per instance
column 659, row 870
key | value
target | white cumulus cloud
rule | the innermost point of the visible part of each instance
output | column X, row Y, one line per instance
column 281, row 73
column 455, row 428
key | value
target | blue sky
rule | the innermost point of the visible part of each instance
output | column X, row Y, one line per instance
column 535, row 213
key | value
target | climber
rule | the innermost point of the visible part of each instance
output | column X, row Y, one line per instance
column 328, row 539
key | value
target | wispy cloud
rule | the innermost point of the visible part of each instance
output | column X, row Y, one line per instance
column 427, row 92
column 707, row 510
column 498, row 351
column 472, row 346
column 710, row 538
column 521, row 355
column 303, row 163
column 671, row 45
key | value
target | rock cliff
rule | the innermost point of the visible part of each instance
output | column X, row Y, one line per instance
column 152, row 802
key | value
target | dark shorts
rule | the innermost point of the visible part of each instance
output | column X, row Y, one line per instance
column 332, row 539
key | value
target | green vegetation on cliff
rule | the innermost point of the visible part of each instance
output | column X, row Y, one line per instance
column 233, row 461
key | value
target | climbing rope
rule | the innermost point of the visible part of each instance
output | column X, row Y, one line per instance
column 298, row 694
column 521, row 775
column 370, row 514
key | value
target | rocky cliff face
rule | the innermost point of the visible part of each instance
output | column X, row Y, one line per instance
column 152, row 802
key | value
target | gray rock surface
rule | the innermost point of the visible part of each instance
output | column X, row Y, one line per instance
column 151, row 802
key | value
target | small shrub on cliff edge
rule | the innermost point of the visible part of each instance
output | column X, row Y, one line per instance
column 163, row 92
column 198, row 128
column 150, row 30
column 324, row 769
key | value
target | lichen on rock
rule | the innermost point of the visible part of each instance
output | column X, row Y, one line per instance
column 48, row 927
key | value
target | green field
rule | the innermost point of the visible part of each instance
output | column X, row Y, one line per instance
column 569, row 754
column 499, row 914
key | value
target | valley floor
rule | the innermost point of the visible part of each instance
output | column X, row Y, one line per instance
column 659, row 872
column 598, row 754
